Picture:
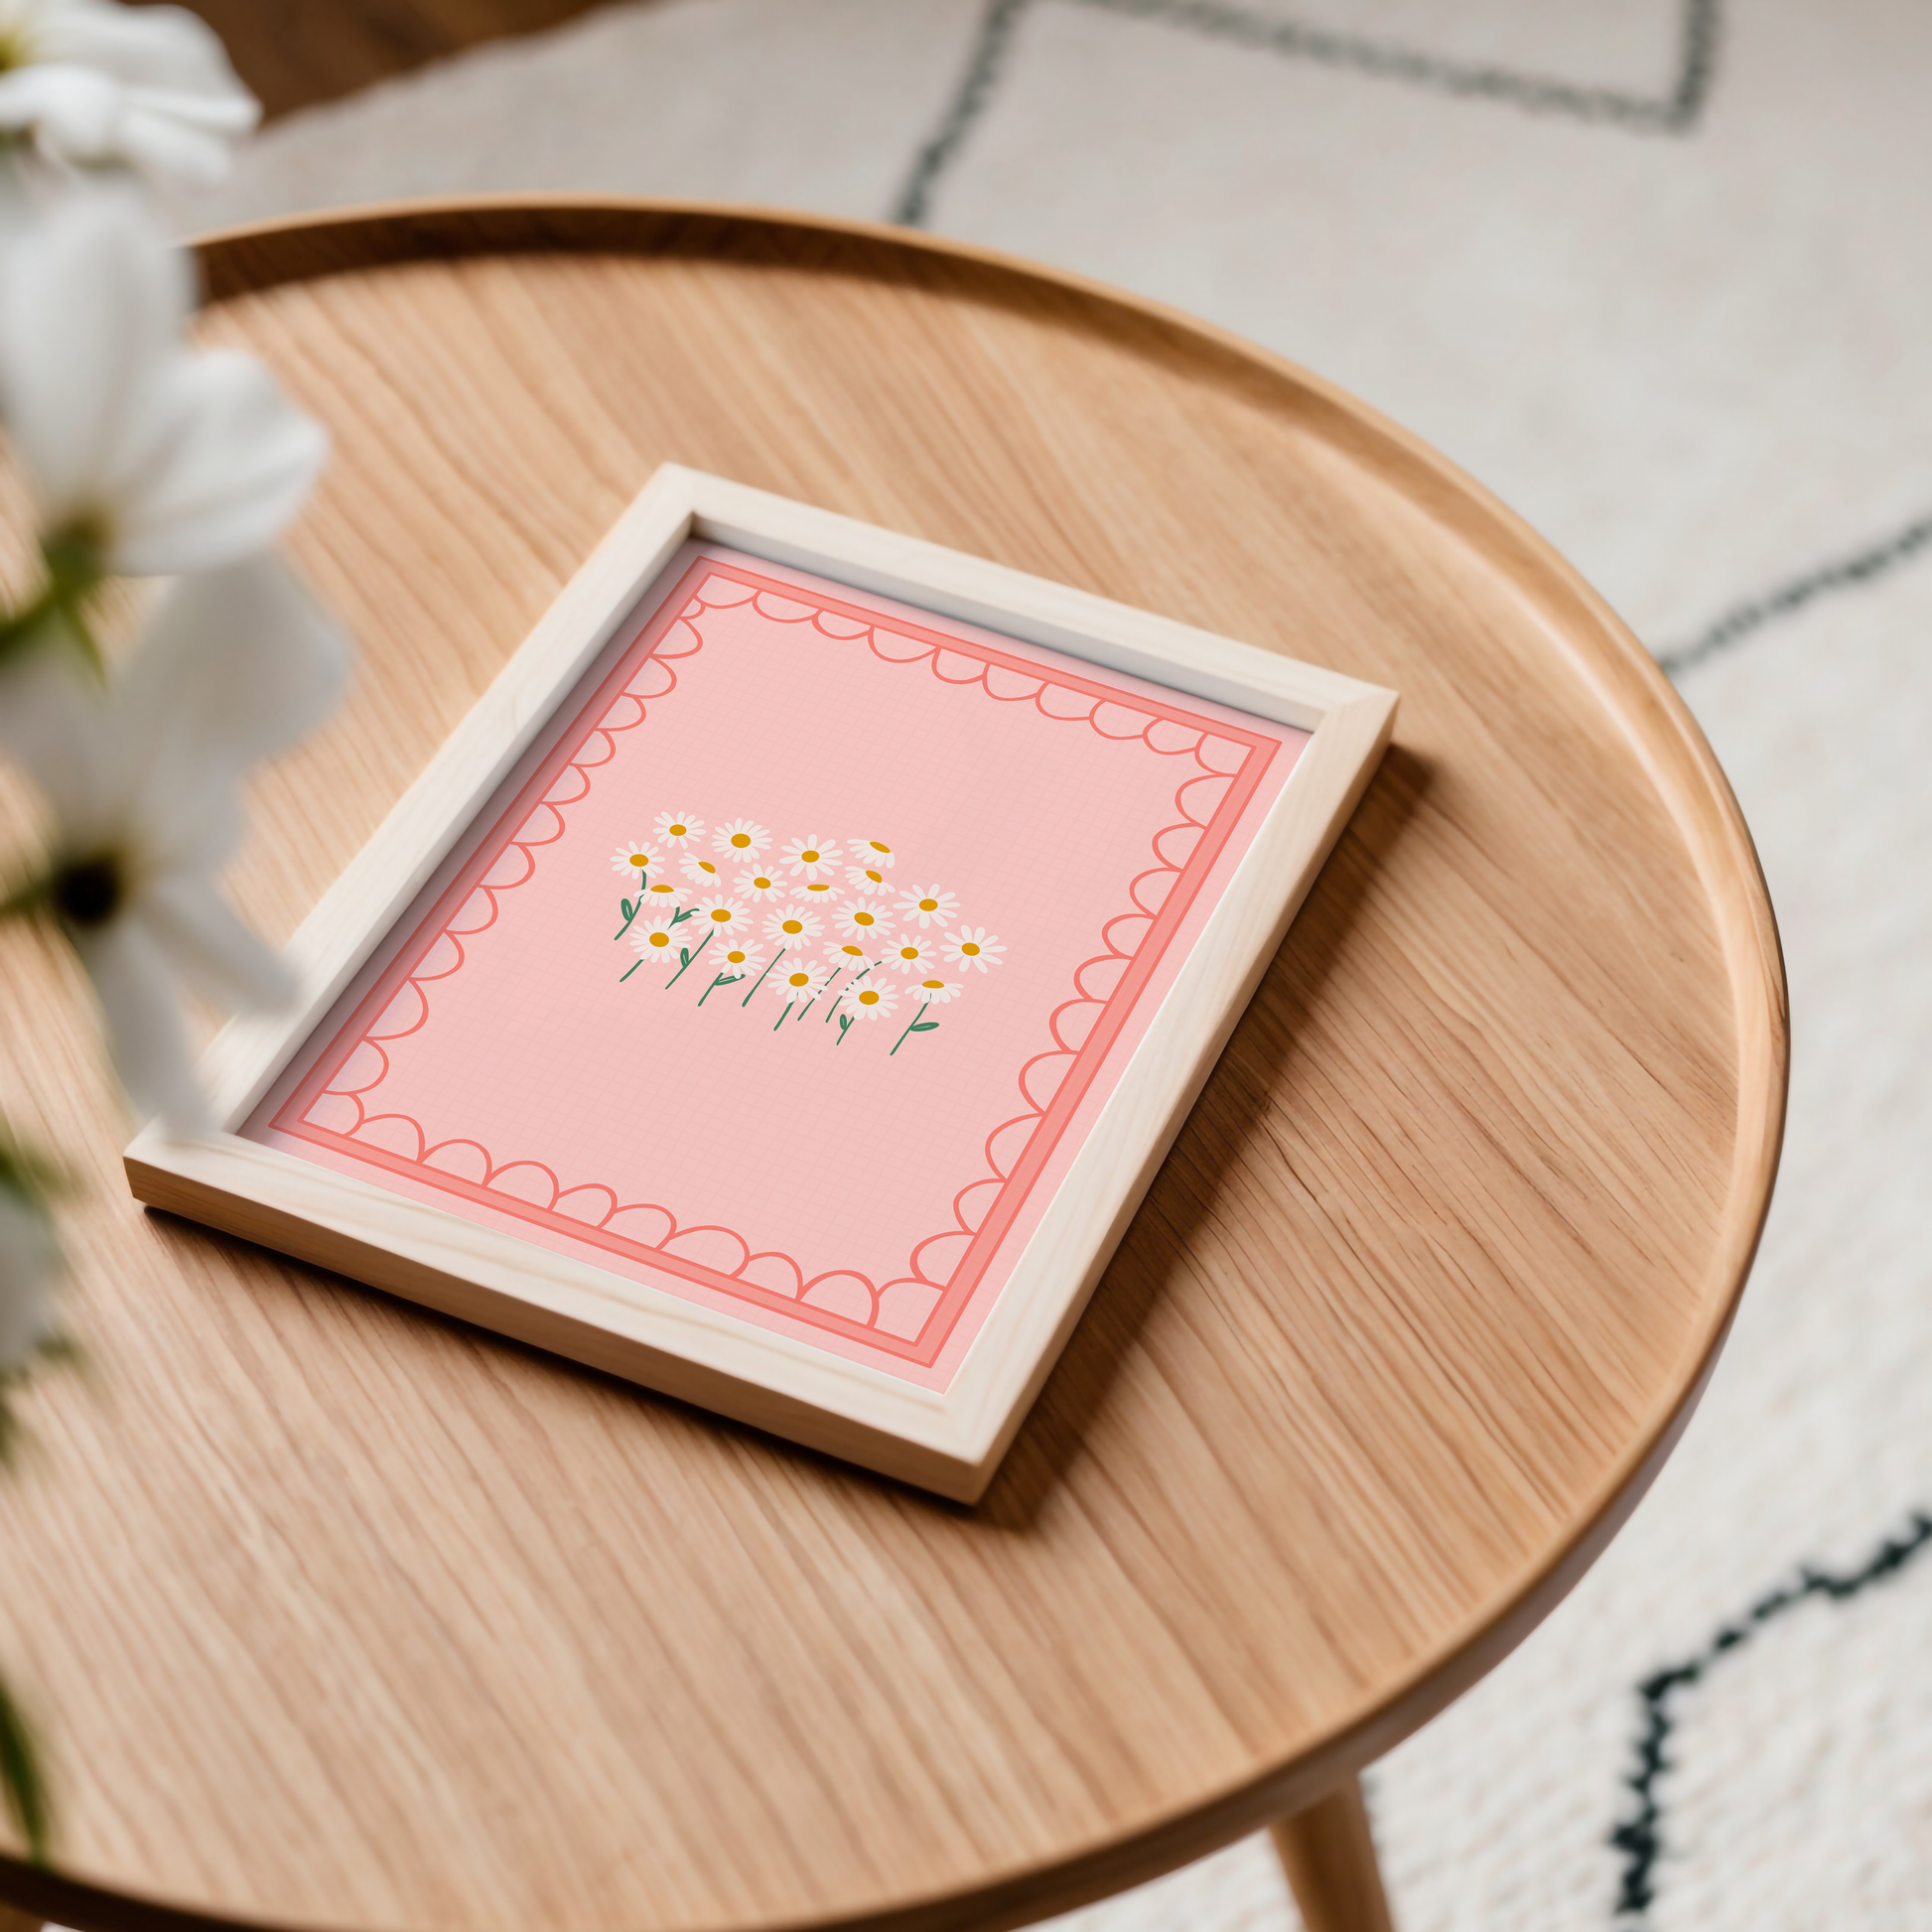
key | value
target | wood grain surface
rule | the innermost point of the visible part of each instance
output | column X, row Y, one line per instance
column 337, row 1614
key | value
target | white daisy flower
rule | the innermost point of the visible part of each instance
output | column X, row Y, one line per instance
column 147, row 457
column 630, row 856
column 872, row 999
column 907, row 954
column 864, row 918
column 863, row 878
column 703, row 875
column 800, row 982
column 874, row 853
column 817, row 892
column 144, row 776
column 973, row 946
column 740, row 838
column 660, row 892
column 94, row 85
column 848, row 955
column 926, row 906
column 794, row 926
column 678, row 828
column 759, row 885
column 656, row 937
column 811, row 857
column 718, row 915
column 741, row 954
column 936, row 992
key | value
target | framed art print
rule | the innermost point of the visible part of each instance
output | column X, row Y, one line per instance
column 783, row 987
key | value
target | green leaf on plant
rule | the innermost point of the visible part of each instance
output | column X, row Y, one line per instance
column 21, row 1779
column 923, row 1026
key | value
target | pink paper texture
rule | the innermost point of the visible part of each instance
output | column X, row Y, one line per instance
column 523, row 1053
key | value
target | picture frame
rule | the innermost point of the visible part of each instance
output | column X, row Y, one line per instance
column 841, row 1359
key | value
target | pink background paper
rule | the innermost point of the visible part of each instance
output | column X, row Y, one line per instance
column 497, row 1057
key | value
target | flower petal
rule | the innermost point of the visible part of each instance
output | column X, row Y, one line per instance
column 91, row 307
column 59, row 730
column 222, row 461
column 144, row 1026
column 211, row 947
column 147, row 47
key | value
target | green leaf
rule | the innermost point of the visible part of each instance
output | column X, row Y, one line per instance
column 21, row 1779
column 628, row 907
column 923, row 1026
column 684, row 956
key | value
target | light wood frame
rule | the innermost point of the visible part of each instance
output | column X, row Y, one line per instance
column 950, row 1442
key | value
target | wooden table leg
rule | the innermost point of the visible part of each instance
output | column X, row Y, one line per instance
column 1328, row 1854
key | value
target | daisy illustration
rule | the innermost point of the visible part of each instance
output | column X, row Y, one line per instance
column 800, row 982
column 936, row 992
column 740, row 838
column 741, row 955
column 656, row 938
column 873, row 1000
column 703, row 875
column 847, row 955
column 794, row 926
column 719, row 916
column 630, row 856
column 863, row 919
column 759, row 885
column 973, row 945
column 812, row 857
column 910, row 955
column 874, row 854
column 927, row 906
column 663, row 893
column 816, row 892
column 863, row 879
column 678, row 828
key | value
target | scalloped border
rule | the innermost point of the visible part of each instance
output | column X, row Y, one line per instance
column 929, row 1301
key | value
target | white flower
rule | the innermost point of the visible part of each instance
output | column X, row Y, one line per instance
column 936, row 992
column 874, row 854
column 235, row 666
column 656, row 937
column 797, row 982
column 927, row 906
column 972, row 945
column 844, row 957
column 816, row 892
column 148, row 457
column 792, row 927
column 739, row 838
column 659, row 894
column 863, row 878
column 759, row 885
column 719, row 916
column 910, row 955
column 147, row 87
column 702, row 873
column 630, row 856
column 741, row 955
column 678, row 828
column 864, row 920
column 811, row 857
column 872, row 999
column 29, row 1263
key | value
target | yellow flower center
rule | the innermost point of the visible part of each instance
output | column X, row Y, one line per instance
column 877, row 878
column 641, row 858
column 862, row 919
column 660, row 938
column 733, row 958
column 799, row 979
column 762, row 884
column 935, row 984
column 853, row 952
column 809, row 856
column 794, row 926
column 678, row 831
column 741, row 840
column 868, row 997
column 876, row 845
column 969, row 949
column 721, row 914
column 908, row 952
column 660, row 887
column 929, row 905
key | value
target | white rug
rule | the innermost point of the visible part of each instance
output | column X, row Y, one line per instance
column 1663, row 278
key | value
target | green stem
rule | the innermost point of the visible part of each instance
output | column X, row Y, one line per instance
column 910, row 1025
column 686, row 967
column 834, row 1007
column 625, row 974
column 722, row 979
column 637, row 906
column 780, row 1020
column 760, row 981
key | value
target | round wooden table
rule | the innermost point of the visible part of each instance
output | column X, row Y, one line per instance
column 337, row 1615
